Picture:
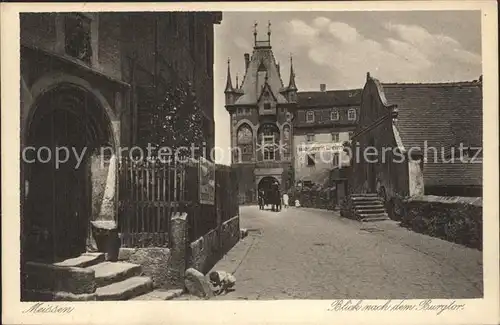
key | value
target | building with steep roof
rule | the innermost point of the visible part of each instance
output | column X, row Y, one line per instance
column 325, row 120
column 261, row 110
column 426, row 139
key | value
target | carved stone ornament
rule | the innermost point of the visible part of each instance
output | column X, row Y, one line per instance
column 77, row 37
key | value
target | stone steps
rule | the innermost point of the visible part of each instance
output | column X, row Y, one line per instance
column 366, row 200
column 160, row 295
column 367, row 207
column 84, row 260
column 368, row 195
column 126, row 289
column 110, row 272
column 113, row 280
column 369, row 210
column 373, row 217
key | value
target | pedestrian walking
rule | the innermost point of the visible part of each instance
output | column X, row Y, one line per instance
column 285, row 200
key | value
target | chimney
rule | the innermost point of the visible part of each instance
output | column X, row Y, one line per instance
column 322, row 87
column 247, row 61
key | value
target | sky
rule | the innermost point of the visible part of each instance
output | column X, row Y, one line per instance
column 339, row 48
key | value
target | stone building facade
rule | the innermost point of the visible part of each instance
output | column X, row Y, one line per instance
column 261, row 109
column 415, row 132
column 324, row 122
column 85, row 82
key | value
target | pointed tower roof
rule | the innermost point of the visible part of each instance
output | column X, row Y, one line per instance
column 229, row 83
column 262, row 59
column 291, row 84
column 262, row 66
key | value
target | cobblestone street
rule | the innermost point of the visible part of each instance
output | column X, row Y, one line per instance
column 314, row 254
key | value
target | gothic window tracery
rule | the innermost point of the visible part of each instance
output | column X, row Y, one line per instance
column 245, row 141
column 244, row 134
column 269, row 138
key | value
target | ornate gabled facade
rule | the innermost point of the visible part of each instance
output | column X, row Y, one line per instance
column 261, row 111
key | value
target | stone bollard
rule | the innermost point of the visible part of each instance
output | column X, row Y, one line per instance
column 178, row 250
column 107, row 238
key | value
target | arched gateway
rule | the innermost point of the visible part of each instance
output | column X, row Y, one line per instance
column 265, row 183
column 58, row 204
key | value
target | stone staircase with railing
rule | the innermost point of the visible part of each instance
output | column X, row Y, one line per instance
column 364, row 207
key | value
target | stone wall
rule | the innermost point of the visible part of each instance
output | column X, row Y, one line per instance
column 246, row 182
column 155, row 262
column 230, row 234
column 456, row 219
column 208, row 249
column 205, row 252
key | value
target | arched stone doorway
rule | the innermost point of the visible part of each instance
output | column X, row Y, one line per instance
column 67, row 121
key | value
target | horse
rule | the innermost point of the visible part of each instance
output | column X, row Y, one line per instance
column 276, row 198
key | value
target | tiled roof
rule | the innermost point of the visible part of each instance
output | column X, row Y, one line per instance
column 262, row 58
column 329, row 98
column 453, row 174
column 444, row 115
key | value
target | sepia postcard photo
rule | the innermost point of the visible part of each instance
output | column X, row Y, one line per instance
column 278, row 162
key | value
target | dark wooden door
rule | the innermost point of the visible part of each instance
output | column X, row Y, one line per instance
column 371, row 170
column 58, row 208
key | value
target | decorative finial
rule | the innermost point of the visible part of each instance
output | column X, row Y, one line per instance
column 237, row 83
column 229, row 84
column 255, row 32
column 291, row 84
column 269, row 32
column 368, row 76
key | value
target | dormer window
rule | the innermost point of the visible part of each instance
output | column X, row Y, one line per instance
column 351, row 114
column 334, row 115
column 267, row 106
column 310, row 117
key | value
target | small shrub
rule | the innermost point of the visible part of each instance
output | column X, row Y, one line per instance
column 455, row 222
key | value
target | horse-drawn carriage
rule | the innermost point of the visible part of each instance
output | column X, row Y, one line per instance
column 270, row 196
